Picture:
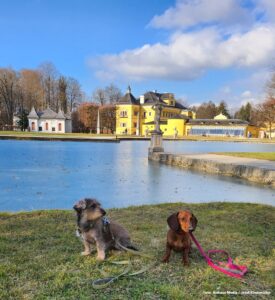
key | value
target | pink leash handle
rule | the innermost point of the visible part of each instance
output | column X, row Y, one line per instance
column 230, row 268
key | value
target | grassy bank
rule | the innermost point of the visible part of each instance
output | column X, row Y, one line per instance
column 90, row 136
column 257, row 155
column 40, row 256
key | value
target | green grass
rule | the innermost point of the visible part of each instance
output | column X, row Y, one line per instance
column 24, row 134
column 45, row 134
column 40, row 255
column 258, row 155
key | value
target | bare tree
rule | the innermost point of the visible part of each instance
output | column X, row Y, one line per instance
column 74, row 93
column 87, row 117
column 266, row 114
column 49, row 76
column 112, row 94
column 270, row 87
column 32, row 90
column 99, row 96
column 108, row 118
column 9, row 94
column 206, row 110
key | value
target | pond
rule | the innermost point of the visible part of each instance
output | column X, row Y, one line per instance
column 53, row 175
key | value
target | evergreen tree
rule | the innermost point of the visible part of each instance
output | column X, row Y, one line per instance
column 23, row 122
column 222, row 108
column 245, row 112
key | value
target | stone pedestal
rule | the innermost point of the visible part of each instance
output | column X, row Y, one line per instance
column 156, row 142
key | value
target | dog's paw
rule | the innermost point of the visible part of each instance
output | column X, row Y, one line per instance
column 85, row 253
column 165, row 260
column 100, row 258
column 186, row 263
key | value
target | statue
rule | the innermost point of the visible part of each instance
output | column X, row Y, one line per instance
column 156, row 135
column 157, row 108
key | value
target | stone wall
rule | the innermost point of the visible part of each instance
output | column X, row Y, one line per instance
column 251, row 173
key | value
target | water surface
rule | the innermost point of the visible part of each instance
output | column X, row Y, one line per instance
column 53, row 175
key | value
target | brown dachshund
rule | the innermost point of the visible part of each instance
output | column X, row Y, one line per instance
column 178, row 238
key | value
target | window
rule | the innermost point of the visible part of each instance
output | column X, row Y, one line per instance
column 40, row 128
column 150, row 114
column 123, row 114
column 46, row 126
column 53, row 128
column 144, row 115
column 122, row 124
column 135, row 124
column 59, row 126
column 33, row 126
column 135, row 113
column 226, row 131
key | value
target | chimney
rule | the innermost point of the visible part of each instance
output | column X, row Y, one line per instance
column 141, row 99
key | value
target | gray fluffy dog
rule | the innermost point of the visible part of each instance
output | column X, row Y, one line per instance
column 94, row 228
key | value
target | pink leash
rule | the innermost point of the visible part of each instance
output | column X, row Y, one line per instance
column 228, row 268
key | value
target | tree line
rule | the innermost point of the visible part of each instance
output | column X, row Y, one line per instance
column 42, row 87
column 102, row 103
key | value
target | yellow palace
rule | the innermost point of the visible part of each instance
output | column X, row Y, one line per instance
column 136, row 117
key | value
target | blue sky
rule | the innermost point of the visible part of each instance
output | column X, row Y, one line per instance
column 201, row 50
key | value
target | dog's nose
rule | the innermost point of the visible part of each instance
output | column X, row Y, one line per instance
column 103, row 212
column 191, row 228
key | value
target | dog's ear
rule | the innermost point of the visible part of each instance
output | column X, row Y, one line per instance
column 80, row 205
column 194, row 222
column 173, row 222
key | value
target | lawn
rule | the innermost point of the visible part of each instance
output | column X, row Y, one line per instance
column 257, row 155
column 56, row 135
column 40, row 255
column 26, row 134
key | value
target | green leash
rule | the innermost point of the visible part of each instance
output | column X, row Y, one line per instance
column 104, row 282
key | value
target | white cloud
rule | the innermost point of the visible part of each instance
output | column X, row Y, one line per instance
column 246, row 94
column 225, row 34
column 188, row 55
column 189, row 13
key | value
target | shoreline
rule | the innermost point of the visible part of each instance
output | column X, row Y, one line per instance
column 62, row 139
column 136, row 207
column 117, row 138
column 251, row 169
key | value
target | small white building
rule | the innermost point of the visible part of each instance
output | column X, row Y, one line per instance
column 49, row 121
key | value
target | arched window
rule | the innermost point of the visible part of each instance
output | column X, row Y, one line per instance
column 59, row 126
column 47, row 126
column 33, row 126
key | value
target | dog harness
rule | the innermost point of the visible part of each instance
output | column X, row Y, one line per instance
column 228, row 267
column 105, row 221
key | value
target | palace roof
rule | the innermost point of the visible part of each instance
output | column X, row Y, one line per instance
column 48, row 114
column 153, row 97
column 150, row 98
column 128, row 98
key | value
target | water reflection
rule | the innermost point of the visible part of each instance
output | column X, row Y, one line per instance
column 46, row 175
